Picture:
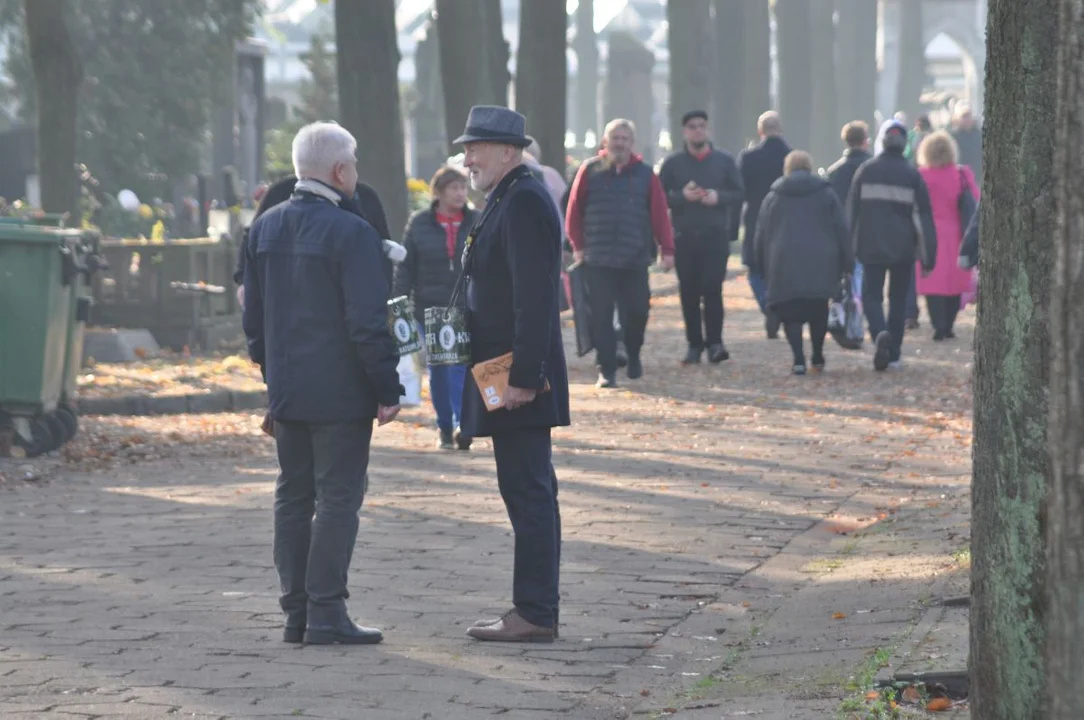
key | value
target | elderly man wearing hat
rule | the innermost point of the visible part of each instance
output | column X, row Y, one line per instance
column 513, row 265
column 891, row 222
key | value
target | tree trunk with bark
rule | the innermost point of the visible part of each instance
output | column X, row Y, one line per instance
column 1011, row 463
column 1065, row 503
column 824, row 131
column 542, row 76
column 729, row 120
column 856, row 57
column 473, row 59
column 690, row 59
column 369, row 99
column 757, row 58
column 794, row 49
column 58, row 74
column 586, row 47
column 912, row 62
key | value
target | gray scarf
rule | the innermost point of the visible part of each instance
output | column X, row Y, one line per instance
column 317, row 187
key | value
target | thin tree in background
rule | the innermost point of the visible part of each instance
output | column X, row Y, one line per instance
column 542, row 76
column 794, row 49
column 912, row 62
column 1011, row 462
column 856, row 57
column 1065, row 504
column 756, row 94
column 586, row 47
column 690, row 45
column 729, row 75
column 473, row 59
column 368, row 64
column 58, row 73
column 824, row 131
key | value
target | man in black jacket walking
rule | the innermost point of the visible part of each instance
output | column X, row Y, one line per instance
column 891, row 220
column 760, row 167
column 856, row 137
column 704, row 191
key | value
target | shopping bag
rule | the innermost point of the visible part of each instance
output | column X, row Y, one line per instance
column 581, row 309
column 401, row 324
column 845, row 317
column 411, row 380
column 447, row 339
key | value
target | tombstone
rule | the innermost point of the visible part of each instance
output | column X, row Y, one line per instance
column 629, row 89
column 431, row 143
column 240, row 120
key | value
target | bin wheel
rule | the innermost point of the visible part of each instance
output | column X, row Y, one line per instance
column 41, row 438
column 70, row 420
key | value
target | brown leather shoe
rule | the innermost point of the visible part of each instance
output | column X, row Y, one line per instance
column 512, row 628
column 494, row 621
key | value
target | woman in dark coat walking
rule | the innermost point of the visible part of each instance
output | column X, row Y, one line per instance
column 434, row 240
column 802, row 250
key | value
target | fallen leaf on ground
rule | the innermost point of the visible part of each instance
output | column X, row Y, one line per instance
column 872, row 695
column 911, row 695
column 939, row 704
column 838, row 616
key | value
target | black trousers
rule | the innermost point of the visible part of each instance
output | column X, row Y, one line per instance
column 943, row 310
column 806, row 311
column 627, row 290
column 323, row 474
column 873, row 290
column 528, row 486
column 701, row 262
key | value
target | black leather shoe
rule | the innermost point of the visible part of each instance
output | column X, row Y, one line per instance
column 718, row 353
column 635, row 370
column 295, row 635
column 463, row 442
column 345, row 633
column 693, row 356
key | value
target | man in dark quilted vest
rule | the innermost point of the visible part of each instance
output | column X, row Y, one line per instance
column 617, row 216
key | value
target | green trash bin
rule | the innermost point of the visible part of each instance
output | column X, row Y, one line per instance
column 42, row 276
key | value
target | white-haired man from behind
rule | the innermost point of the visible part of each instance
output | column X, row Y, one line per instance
column 315, row 317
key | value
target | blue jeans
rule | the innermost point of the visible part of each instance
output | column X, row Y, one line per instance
column 760, row 289
column 446, row 392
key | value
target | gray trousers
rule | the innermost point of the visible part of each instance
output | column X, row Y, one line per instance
column 323, row 473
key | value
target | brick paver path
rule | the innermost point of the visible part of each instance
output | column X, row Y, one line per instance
column 144, row 588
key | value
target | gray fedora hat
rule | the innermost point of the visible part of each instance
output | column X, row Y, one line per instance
column 495, row 124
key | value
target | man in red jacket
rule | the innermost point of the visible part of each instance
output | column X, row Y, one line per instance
column 617, row 215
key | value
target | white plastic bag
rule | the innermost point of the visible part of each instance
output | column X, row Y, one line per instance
column 411, row 379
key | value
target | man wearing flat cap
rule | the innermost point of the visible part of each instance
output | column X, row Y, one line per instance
column 513, row 265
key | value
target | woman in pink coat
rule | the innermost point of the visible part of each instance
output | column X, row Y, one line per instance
column 946, row 180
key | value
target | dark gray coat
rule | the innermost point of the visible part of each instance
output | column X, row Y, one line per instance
column 428, row 275
column 802, row 244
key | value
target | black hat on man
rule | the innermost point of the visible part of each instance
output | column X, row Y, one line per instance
column 693, row 114
column 495, row 124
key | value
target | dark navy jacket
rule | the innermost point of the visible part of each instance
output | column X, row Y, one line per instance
column 760, row 167
column 316, row 313
column 842, row 171
column 514, row 268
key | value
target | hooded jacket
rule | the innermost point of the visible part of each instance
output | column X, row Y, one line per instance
column 802, row 247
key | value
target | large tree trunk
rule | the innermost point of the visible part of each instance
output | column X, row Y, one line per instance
column 756, row 95
column 1012, row 352
column 794, row 49
column 473, row 59
column 856, row 57
column 586, row 47
column 368, row 64
column 58, row 73
column 690, row 60
column 824, row 142
column 542, row 76
column 729, row 76
column 912, row 62
column 1065, row 504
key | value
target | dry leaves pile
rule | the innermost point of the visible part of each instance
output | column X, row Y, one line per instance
column 170, row 375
